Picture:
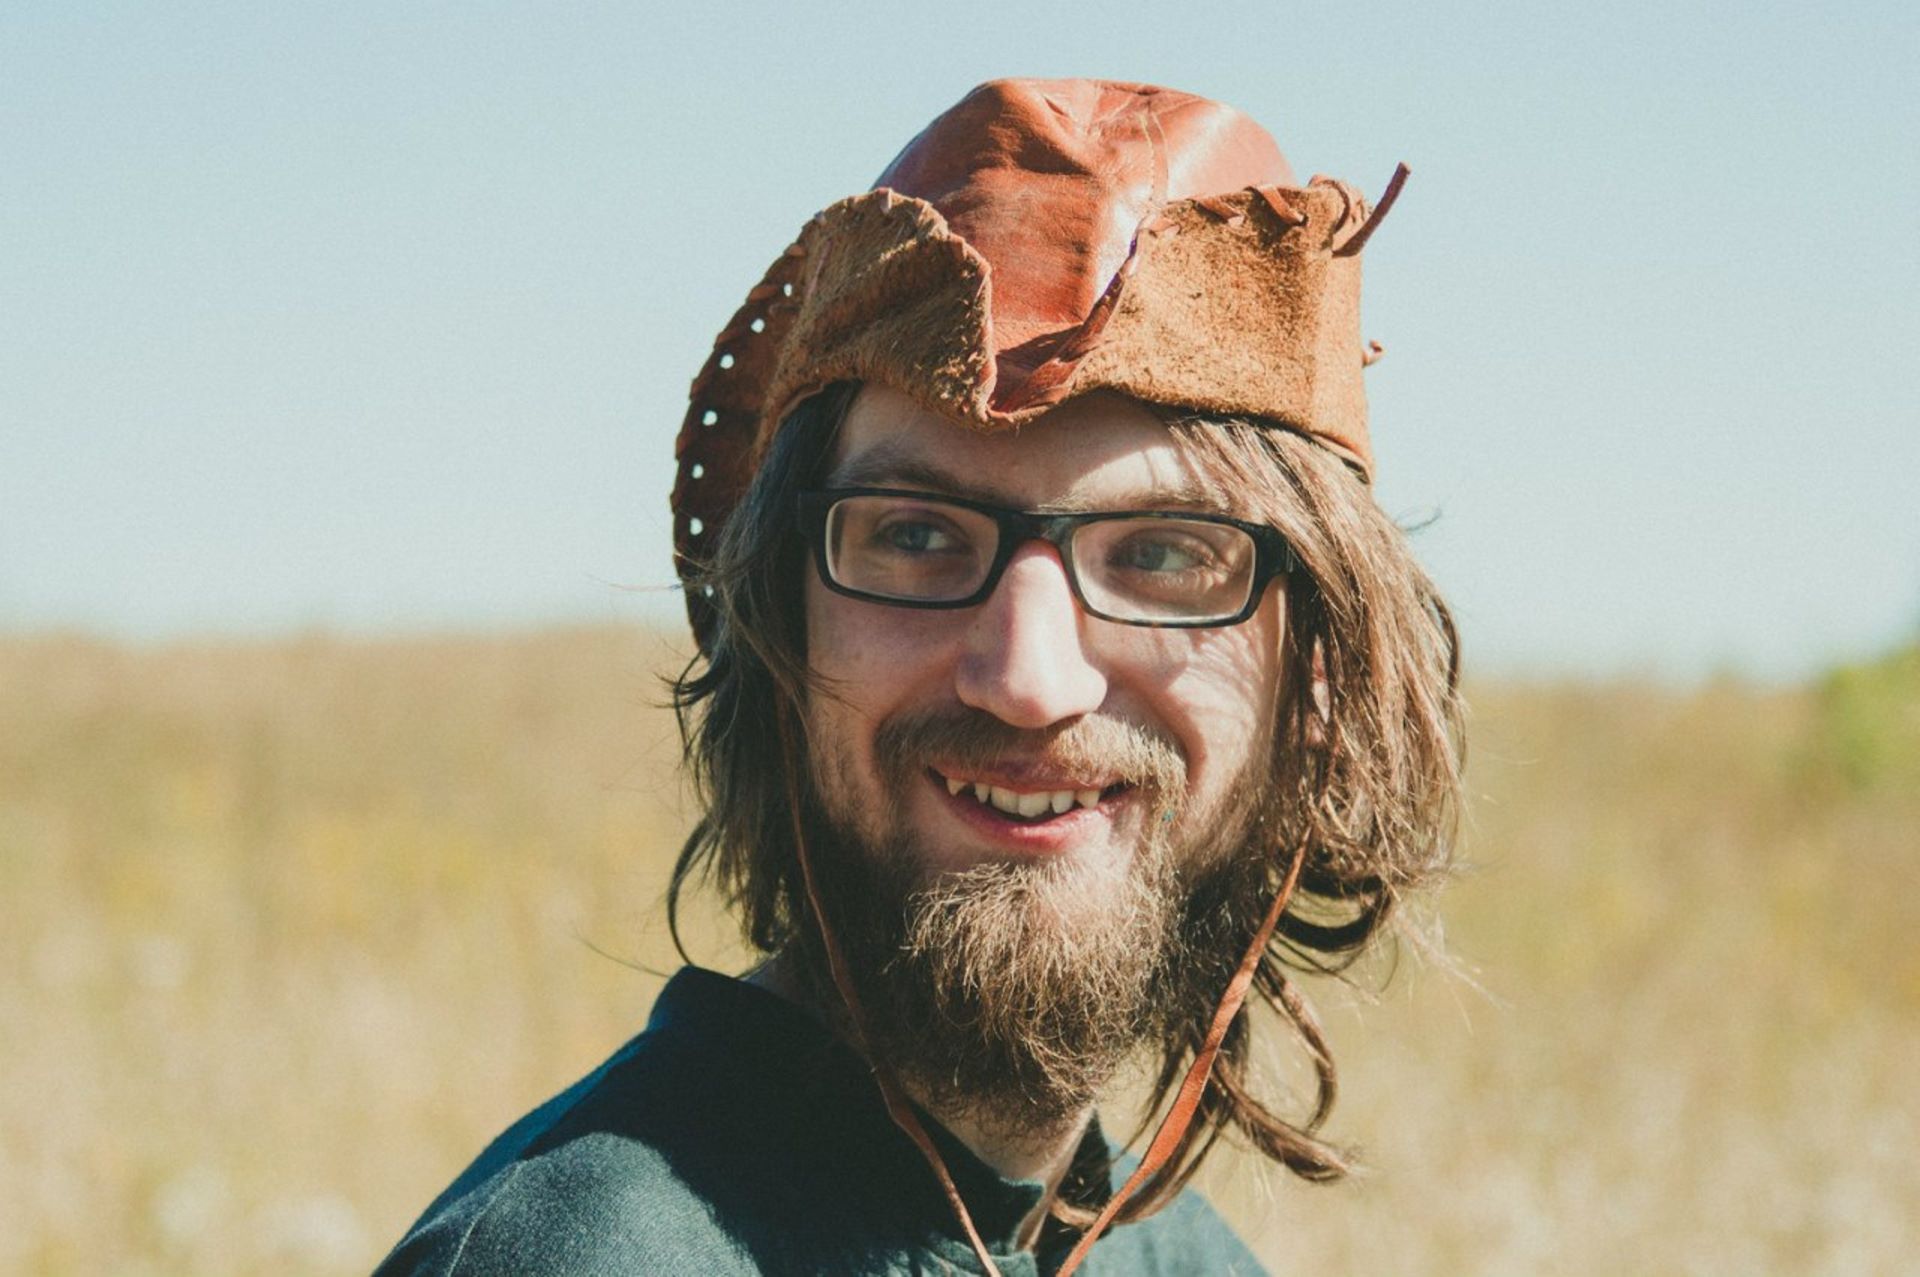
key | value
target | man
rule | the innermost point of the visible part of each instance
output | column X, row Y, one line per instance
column 1060, row 682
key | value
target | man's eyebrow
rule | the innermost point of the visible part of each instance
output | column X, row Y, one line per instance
column 886, row 466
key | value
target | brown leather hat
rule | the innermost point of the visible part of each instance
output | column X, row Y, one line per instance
column 1039, row 240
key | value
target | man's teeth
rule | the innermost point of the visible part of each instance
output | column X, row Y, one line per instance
column 1028, row 805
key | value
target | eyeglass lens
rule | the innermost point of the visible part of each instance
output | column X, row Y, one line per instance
column 1133, row 568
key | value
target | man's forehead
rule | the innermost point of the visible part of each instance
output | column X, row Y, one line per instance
column 1100, row 451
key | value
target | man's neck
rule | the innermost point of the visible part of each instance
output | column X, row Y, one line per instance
column 1029, row 1155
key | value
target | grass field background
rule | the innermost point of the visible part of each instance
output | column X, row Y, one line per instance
column 291, row 928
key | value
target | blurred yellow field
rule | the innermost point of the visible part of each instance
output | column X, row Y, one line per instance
column 292, row 928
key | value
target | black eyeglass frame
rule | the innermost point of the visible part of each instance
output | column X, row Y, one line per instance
column 1273, row 556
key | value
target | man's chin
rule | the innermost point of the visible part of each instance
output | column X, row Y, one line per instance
column 1016, row 986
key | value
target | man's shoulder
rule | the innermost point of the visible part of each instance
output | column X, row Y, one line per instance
column 600, row 1202
column 631, row 1164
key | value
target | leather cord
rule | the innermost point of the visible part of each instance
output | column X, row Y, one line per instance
column 899, row 1108
column 1186, row 1104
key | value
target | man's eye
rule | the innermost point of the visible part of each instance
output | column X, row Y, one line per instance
column 1162, row 554
column 915, row 536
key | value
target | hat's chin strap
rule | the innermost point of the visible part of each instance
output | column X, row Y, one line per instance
column 891, row 1092
column 1173, row 1127
column 1186, row 1103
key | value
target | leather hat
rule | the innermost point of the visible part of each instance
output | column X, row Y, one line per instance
column 1039, row 240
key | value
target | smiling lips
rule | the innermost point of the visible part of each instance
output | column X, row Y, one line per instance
column 1025, row 803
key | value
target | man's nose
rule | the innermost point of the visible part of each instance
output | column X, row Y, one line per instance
column 1025, row 660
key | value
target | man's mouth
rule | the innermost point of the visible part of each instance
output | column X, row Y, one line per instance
column 1028, row 802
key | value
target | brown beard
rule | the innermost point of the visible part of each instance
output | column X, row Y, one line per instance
column 1011, row 991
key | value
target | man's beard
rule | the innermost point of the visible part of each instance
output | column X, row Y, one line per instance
column 1012, row 990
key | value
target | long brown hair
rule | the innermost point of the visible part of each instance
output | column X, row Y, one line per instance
column 1367, row 764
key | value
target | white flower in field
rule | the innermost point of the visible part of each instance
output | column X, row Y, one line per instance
column 161, row 962
column 190, row 1204
column 319, row 1230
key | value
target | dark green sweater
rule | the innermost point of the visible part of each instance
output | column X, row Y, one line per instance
column 736, row 1136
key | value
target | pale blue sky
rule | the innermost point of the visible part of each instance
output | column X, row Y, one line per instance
column 381, row 316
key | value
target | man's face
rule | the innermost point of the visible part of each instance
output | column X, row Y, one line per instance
column 1014, row 957
column 1055, row 680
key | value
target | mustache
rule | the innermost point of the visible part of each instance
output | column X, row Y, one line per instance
column 1094, row 744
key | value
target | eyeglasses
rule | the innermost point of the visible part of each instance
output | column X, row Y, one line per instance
column 1136, row 567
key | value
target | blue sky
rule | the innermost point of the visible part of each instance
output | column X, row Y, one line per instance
column 377, row 317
